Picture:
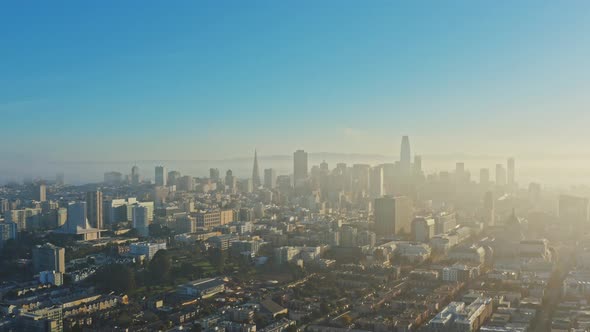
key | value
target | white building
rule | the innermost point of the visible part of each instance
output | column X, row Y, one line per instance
column 145, row 248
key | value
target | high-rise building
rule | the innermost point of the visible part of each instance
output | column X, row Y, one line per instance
column 270, row 178
column 59, row 179
column 49, row 258
column 230, row 181
column 510, row 164
column 214, row 174
column 8, row 231
column 41, row 192
column 405, row 159
column 417, row 165
column 393, row 215
column 489, row 211
column 173, row 177
column 500, row 175
column 423, row 229
column 161, row 176
column 484, row 176
column 255, row 172
column 135, row 175
column 377, row 189
column 62, row 216
column 360, row 177
column 141, row 220
column 299, row 167
column 94, row 208
column 113, row 178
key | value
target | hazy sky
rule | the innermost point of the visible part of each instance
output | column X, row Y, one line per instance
column 124, row 80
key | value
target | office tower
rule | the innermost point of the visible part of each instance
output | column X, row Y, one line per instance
column 140, row 219
column 573, row 210
column 49, row 258
column 324, row 166
column 41, row 192
column 417, row 165
column 270, row 178
column 246, row 185
column 173, row 177
column 489, row 212
column 393, row 215
column 377, row 181
column 460, row 175
column 161, row 176
column 284, row 183
column 230, row 181
column 59, row 179
column 360, row 178
column 186, row 183
column 405, row 156
column 500, row 175
column 135, row 175
column 94, row 209
column 4, row 205
column 484, row 176
column 113, row 178
column 510, row 165
column 423, row 229
column 255, row 172
column 62, row 216
column 534, row 192
column 8, row 231
column 214, row 174
column 299, row 168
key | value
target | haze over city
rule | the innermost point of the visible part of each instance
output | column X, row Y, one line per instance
column 133, row 81
column 295, row 166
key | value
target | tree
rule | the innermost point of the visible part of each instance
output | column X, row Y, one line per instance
column 159, row 267
column 115, row 277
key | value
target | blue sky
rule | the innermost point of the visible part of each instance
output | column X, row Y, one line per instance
column 132, row 80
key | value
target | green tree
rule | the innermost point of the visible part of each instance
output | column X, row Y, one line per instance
column 159, row 267
column 115, row 277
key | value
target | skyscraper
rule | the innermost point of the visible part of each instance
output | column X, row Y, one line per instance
column 417, row 165
column 141, row 220
column 405, row 160
column 484, row 176
column 299, row 167
column 161, row 176
column 500, row 175
column 393, row 215
column 489, row 213
column 270, row 178
column 214, row 174
column 49, row 258
column 59, row 179
column 510, row 164
column 94, row 208
column 255, row 172
column 230, row 181
column 135, row 175
column 41, row 193
column 376, row 179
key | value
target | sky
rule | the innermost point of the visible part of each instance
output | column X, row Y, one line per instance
column 184, row 80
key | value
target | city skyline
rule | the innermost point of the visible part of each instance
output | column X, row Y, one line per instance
column 295, row 166
column 515, row 72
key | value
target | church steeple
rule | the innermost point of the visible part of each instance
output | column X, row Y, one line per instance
column 255, row 172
